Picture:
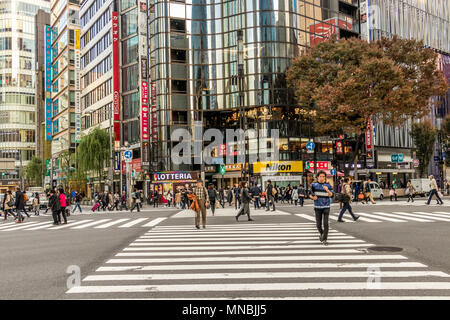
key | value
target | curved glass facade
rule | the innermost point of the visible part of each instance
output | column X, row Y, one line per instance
column 194, row 56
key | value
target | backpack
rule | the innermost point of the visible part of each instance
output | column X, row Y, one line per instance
column 25, row 197
column 274, row 191
column 342, row 197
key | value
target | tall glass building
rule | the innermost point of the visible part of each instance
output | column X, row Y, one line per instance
column 199, row 49
column 428, row 21
column 17, row 87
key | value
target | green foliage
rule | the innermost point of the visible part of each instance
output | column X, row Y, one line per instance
column 424, row 136
column 93, row 152
column 34, row 171
column 341, row 84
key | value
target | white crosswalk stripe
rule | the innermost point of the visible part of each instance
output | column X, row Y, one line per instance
column 263, row 260
column 80, row 224
column 394, row 216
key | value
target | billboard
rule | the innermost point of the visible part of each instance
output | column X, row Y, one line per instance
column 116, row 81
column 48, row 59
column 321, row 31
column 77, row 87
column 145, row 111
column 48, row 119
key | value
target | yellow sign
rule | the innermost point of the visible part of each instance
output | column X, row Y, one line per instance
column 234, row 167
column 277, row 166
column 77, row 38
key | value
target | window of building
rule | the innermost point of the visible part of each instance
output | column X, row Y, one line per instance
column 179, row 86
column 130, row 78
column 178, row 55
column 130, row 106
column 129, row 23
column 177, row 25
column 130, row 50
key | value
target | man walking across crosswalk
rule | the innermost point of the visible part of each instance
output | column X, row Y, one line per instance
column 347, row 191
column 202, row 201
column 321, row 192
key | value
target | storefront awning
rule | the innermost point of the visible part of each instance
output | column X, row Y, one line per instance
column 340, row 174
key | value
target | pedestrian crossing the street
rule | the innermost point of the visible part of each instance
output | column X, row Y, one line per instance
column 256, row 261
column 80, row 224
column 229, row 212
column 380, row 216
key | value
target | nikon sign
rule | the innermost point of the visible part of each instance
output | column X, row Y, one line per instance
column 271, row 167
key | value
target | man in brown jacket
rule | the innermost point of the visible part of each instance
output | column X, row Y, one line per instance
column 203, row 200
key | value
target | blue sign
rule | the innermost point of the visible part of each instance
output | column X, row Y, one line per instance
column 333, row 172
column 116, row 160
column 397, row 157
column 310, row 146
column 48, row 119
column 128, row 154
column 436, row 158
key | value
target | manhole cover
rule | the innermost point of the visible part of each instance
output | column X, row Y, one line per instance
column 385, row 249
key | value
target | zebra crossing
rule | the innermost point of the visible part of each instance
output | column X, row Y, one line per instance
column 80, row 224
column 394, row 216
column 257, row 261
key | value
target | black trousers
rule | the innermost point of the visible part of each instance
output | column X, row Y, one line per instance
column 322, row 215
column 63, row 212
column 55, row 215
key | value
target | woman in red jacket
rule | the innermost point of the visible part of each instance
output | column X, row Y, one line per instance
column 62, row 200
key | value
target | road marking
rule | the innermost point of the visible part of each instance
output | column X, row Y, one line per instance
column 251, row 246
column 48, row 224
column 154, row 222
column 282, row 286
column 69, row 225
column 90, row 224
column 363, row 218
column 427, row 218
column 23, row 226
column 14, row 224
column 308, row 237
column 262, row 275
column 271, row 266
column 183, row 243
column 109, row 224
column 385, row 216
column 410, row 216
column 443, row 212
column 132, row 223
column 212, row 232
column 256, row 225
column 305, row 216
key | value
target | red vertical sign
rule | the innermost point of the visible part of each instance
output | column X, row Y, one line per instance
column 116, row 81
column 369, row 136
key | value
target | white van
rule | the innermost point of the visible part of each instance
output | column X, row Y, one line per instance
column 377, row 192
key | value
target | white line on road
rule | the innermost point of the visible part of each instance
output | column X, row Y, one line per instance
column 263, row 275
column 22, row 226
column 17, row 224
column 304, row 237
column 305, row 216
column 386, row 216
column 184, row 243
column 361, row 217
column 69, row 225
column 255, row 225
column 109, row 224
column 424, row 217
column 250, row 246
column 270, row 266
column 91, row 224
column 48, row 224
column 282, row 286
column 132, row 223
column 154, row 222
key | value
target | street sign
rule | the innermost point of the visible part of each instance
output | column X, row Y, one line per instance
column 128, row 154
column 310, row 146
column 333, row 172
column 436, row 158
column 397, row 157
column 416, row 163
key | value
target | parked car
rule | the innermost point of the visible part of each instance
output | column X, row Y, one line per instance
column 374, row 187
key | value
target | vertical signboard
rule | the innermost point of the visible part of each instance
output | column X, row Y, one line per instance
column 48, row 119
column 153, row 112
column 48, row 59
column 369, row 144
column 77, row 87
column 145, row 111
column 116, row 81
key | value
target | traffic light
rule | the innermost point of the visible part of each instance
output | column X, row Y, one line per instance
column 222, row 169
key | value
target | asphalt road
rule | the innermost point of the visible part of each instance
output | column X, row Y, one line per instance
column 276, row 256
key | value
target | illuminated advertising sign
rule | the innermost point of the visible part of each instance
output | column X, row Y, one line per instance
column 277, row 166
column 48, row 119
column 175, row 176
column 116, row 82
column 48, row 59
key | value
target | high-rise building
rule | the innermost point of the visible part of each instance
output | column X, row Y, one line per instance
column 223, row 63
column 65, row 31
column 17, row 87
column 428, row 21
column 43, row 146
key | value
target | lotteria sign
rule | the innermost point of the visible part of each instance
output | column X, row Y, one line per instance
column 175, row 176
column 116, row 83
column 277, row 166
